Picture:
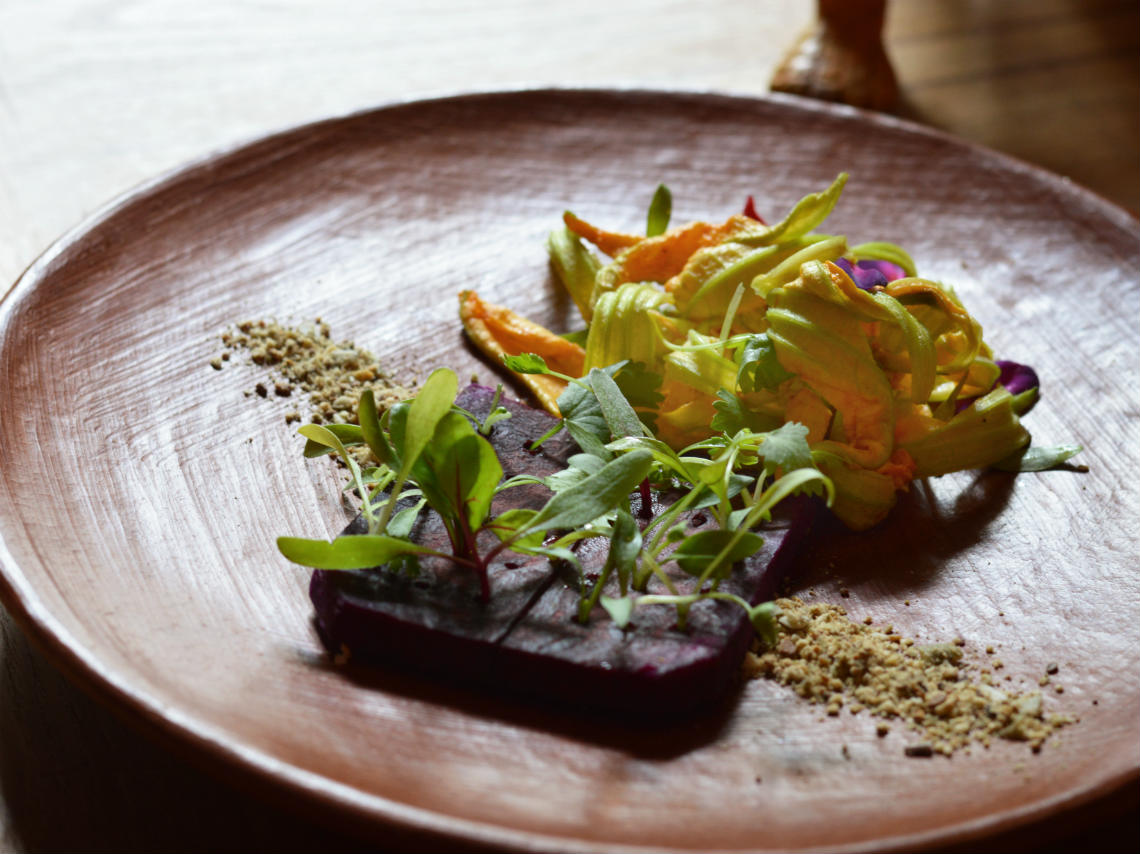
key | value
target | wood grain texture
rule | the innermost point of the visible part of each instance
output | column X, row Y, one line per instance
column 167, row 597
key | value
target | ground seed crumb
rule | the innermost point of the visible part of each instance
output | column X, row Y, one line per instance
column 830, row 660
column 306, row 359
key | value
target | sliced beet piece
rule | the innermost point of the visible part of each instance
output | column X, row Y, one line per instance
column 436, row 620
column 526, row 640
column 651, row 666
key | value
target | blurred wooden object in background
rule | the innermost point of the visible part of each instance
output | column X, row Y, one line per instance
column 1053, row 82
column 841, row 58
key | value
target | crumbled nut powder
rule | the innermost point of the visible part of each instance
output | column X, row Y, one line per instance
column 305, row 358
column 829, row 659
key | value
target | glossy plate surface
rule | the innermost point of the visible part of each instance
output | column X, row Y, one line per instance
column 141, row 491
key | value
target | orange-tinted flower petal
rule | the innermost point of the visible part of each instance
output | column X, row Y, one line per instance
column 498, row 331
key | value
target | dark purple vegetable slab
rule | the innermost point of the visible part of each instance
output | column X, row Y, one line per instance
column 651, row 664
column 526, row 640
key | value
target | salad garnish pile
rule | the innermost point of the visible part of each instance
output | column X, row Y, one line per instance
column 748, row 326
column 728, row 366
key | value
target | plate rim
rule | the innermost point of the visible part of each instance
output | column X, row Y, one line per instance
column 198, row 741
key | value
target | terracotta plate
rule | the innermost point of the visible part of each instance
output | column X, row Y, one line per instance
column 141, row 491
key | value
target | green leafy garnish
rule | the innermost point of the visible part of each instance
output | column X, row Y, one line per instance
column 434, row 455
column 759, row 367
column 358, row 551
column 526, row 363
column 1038, row 458
column 660, row 210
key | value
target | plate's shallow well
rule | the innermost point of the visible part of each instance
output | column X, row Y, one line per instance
column 141, row 491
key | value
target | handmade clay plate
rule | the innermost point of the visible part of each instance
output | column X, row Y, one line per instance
column 141, row 490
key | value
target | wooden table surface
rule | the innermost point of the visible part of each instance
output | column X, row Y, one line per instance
column 97, row 97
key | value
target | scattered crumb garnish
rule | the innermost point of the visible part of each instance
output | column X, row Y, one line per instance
column 828, row 659
column 305, row 358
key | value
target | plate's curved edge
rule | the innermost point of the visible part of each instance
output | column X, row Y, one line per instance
column 189, row 736
column 1126, row 217
column 1057, row 810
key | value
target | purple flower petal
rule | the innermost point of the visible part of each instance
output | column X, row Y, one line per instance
column 871, row 274
column 1016, row 378
column 889, row 269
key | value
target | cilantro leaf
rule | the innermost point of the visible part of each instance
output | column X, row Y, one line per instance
column 580, row 467
column 786, row 448
column 758, row 366
column 732, row 416
column 526, row 363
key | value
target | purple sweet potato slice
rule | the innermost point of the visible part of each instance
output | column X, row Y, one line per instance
column 526, row 640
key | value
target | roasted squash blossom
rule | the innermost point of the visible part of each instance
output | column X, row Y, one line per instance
column 745, row 325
